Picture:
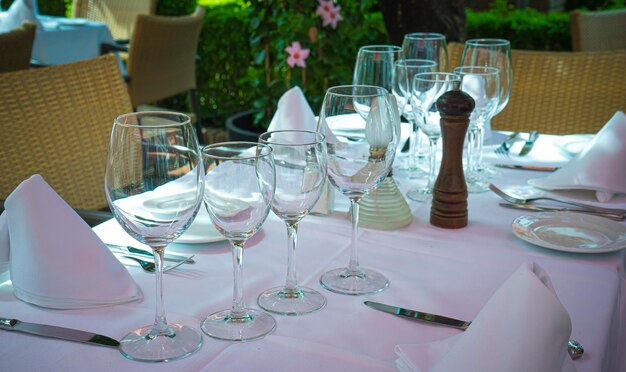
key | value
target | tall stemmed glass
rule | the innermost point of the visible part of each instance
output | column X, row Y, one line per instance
column 491, row 53
column 154, row 182
column 427, row 88
column 361, row 139
column 300, row 158
column 405, row 69
column 483, row 84
column 426, row 45
column 240, row 185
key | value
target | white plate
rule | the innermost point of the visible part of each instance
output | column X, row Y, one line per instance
column 571, row 232
column 72, row 21
column 573, row 144
column 201, row 230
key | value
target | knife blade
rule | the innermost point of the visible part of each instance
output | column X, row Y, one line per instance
column 536, row 208
column 530, row 142
column 528, row 167
column 62, row 333
column 127, row 249
column 418, row 315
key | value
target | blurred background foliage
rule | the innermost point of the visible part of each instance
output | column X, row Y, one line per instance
column 242, row 45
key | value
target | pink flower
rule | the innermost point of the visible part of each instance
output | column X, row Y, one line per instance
column 297, row 55
column 329, row 13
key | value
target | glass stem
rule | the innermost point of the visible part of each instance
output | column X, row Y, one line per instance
column 413, row 145
column 472, row 148
column 291, row 284
column 433, row 162
column 160, row 322
column 480, row 138
column 353, row 266
column 237, row 310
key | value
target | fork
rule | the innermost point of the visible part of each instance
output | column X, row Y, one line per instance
column 151, row 267
column 503, row 149
column 519, row 200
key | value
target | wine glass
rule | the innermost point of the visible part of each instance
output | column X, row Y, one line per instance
column 239, row 188
column 300, row 158
column 491, row 53
column 375, row 65
column 405, row 69
column 426, row 89
column 361, row 139
column 426, row 45
column 154, row 182
column 483, row 85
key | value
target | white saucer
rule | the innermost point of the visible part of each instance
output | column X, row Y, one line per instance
column 571, row 232
column 201, row 230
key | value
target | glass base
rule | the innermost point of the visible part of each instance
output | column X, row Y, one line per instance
column 301, row 301
column 363, row 281
column 420, row 195
column 477, row 186
column 178, row 343
column 253, row 325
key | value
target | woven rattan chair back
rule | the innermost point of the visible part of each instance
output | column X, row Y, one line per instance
column 600, row 30
column 119, row 15
column 455, row 51
column 56, row 121
column 16, row 47
column 162, row 56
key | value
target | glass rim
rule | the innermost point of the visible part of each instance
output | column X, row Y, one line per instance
column 425, row 35
column 250, row 144
column 422, row 75
column 380, row 48
column 488, row 42
column 320, row 138
column 405, row 62
column 486, row 70
column 333, row 90
column 119, row 119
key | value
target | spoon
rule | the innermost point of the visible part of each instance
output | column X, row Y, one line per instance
column 151, row 267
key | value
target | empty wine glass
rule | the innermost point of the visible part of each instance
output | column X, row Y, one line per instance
column 427, row 88
column 405, row 69
column 361, row 138
column 426, row 45
column 375, row 65
column 239, row 187
column 154, row 182
column 300, row 158
column 483, row 85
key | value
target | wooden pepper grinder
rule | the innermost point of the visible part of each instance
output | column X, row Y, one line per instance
column 449, row 205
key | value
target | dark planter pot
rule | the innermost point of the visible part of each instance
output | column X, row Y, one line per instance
column 241, row 127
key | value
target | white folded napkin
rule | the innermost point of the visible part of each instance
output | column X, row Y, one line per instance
column 18, row 12
column 598, row 167
column 523, row 327
column 56, row 260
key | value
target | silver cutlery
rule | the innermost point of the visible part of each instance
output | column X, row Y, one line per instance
column 57, row 332
column 574, row 348
column 530, row 142
column 130, row 250
column 528, row 167
column 511, row 198
column 150, row 266
column 505, row 147
column 612, row 216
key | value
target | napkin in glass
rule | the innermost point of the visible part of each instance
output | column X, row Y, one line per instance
column 294, row 113
column 18, row 12
column 598, row 167
column 55, row 259
column 523, row 327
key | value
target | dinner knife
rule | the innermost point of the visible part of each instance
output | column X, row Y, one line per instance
column 57, row 332
column 127, row 249
column 418, row 315
column 535, row 208
column 528, row 167
column 530, row 142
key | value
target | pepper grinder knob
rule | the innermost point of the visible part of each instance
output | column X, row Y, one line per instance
column 449, row 204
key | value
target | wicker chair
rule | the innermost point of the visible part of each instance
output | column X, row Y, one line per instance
column 16, row 47
column 601, row 30
column 119, row 15
column 162, row 59
column 455, row 51
column 56, row 121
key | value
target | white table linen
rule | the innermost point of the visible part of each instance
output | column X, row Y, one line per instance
column 450, row 272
